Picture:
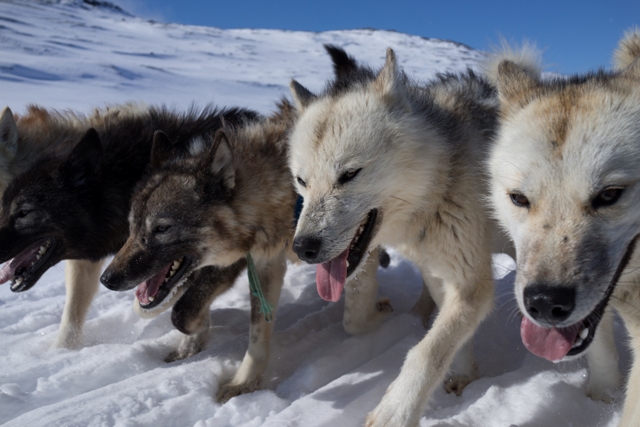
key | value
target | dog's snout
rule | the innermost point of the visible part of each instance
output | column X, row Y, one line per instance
column 549, row 304
column 307, row 248
column 111, row 280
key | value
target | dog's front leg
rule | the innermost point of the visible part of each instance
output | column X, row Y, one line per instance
column 427, row 363
column 190, row 315
column 363, row 311
column 631, row 409
column 82, row 278
column 604, row 374
column 248, row 377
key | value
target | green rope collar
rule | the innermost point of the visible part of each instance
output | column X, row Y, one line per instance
column 256, row 289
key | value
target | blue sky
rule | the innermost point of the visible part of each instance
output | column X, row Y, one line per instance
column 575, row 36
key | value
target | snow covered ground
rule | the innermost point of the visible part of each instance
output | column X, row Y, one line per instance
column 71, row 55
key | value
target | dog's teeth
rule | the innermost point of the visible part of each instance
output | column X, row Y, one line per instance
column 33, row 263
column 347, row 264
column 151, row 299
column 584, row 333
column 38, row 257
column 19, row 280
column 578, row 343
column 42, row 250
column 171, row 273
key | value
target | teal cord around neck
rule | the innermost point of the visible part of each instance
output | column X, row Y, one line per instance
column 256, row 289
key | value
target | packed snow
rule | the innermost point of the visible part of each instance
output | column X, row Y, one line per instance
column 72, row 55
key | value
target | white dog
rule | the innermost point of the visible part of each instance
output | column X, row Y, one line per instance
column 380, row 160
column 565, row 183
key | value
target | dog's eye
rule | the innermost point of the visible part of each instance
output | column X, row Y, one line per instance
column 519, row 200
column 161, row 228
column 348, row 175
column 607, row 197
column 23, row 213
column 301, row 181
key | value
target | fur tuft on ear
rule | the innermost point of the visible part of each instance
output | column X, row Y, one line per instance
column 301, row 95
column 343, row 64
column 626, row 56
column 390, row 82
column 221, row 160
column 161, row 150
column 84, row 160
column 8, row 134
column 527, row 56
column 515, row 83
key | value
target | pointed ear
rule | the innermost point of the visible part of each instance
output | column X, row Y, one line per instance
column 343, row 64
column 8, row 133
column 633, row 70
column 221, row 160
column 161, row 150
column 84, row 160
column 515, row 84
column 390, row 82
column 301, row 95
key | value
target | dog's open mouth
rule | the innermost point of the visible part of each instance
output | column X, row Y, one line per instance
column 153, row 291
column 331, row 275
column 23, row 268
column 555, row 344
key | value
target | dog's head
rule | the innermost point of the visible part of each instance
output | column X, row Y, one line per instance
column 46, row 212
column 566, row 186
column 345, row 164
column 9, row 141
column 180, row 220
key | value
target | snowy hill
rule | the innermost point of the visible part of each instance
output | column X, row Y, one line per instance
column 72, row 54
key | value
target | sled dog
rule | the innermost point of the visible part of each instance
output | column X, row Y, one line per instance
column 23, row 139
column 72, row 202
column 381, row 160
column 565, row 185
column 195, row 218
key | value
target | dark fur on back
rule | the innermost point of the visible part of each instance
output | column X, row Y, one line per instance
column 81, row 197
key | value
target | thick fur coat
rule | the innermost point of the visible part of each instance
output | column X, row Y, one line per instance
column 73, row 201
column 565, row 186
column 381, row 160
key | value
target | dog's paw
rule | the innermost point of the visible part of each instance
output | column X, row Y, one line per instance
column 384, row 306
column 455, row 383
column 230, row 390
column 602, row 397
column 190, row 346
column 395, row 410
column 69, row 339
column 364, row 324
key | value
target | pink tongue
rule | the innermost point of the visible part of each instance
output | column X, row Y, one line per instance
column 330, row 277
column 149, row 288
column 6, row 273
column 551, row 343
column 9, row 268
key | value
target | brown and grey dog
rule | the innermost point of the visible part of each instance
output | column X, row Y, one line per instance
column 195, row 218
column 381, row 160
column 565, row 178
column 72, row 201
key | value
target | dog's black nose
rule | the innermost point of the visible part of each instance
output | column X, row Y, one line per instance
column 549, row 304
column 307, row 248
column 111, row 280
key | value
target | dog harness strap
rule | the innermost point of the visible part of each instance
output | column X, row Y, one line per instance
column 256, row 289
